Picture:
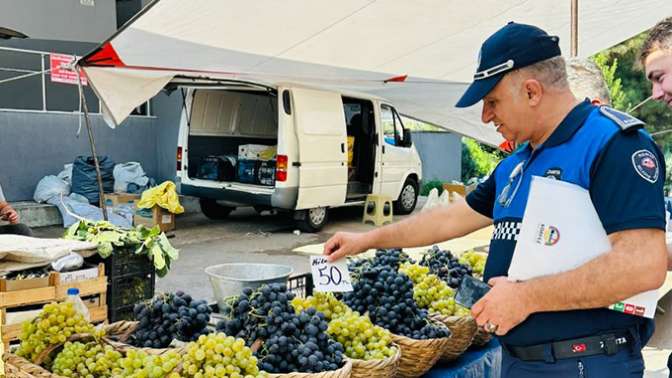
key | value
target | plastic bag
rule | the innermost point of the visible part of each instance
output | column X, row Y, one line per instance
column 128, row 173
column 50, row 186
column 66, row 174
column 68, row 262
column 432, row 199
column 164, row 196
column 72, row 210
column 84, row 179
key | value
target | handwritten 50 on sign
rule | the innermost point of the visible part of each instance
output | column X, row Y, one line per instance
column 330, row 276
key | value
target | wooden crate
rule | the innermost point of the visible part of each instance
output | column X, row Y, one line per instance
column 54, row 292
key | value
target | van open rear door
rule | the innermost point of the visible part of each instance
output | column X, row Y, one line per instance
column 319, row 122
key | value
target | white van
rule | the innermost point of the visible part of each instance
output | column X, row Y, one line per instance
column 306, row 133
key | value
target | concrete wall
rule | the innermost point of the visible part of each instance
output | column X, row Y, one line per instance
column 441, row 154
column 70, row 20
column 36, row 144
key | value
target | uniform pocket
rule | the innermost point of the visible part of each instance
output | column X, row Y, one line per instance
column 581, row 369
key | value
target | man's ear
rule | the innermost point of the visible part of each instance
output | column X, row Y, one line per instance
column 534, row 91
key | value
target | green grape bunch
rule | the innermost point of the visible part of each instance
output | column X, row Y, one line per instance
column 138, row 364
column 53, row 326
column 325, row 303
column 218, row 355
column 361, row 339
column 87, row 360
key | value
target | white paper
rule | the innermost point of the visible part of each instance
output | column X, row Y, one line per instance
column 561, row 231
column 330, row 276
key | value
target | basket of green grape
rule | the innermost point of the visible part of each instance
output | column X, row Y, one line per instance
column 433, row 294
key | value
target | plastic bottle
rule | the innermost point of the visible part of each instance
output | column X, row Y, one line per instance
column 79, row 306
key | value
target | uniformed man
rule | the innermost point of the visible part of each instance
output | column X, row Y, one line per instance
column 556, row 325
column 656, row 57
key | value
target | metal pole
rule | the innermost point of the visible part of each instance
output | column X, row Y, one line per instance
column 574, row 41
column 92, row 143
column 44, row 85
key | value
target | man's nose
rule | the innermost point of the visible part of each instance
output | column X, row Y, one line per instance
column 487, row 114
column 657, row 91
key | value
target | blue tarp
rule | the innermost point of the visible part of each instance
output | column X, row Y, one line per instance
column 485, row 362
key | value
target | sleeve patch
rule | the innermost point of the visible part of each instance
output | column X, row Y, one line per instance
column 624, row 120
column 646, row 165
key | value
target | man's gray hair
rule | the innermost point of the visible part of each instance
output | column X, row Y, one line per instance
column 550, row 72
column 660, row 38
column 586, row 80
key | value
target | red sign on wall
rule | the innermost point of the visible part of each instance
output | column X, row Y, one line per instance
column 60, row 73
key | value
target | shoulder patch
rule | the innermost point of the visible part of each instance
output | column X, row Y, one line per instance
column 646, row 165
column 624, row 120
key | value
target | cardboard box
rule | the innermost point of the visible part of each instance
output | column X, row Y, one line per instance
column 256, row 152
column 114, row 199
column 154, row 216
column 84, row 274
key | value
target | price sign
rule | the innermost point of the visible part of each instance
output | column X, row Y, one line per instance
column 330, row 276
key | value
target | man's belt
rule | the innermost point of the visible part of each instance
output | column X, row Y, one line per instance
column 608, row 344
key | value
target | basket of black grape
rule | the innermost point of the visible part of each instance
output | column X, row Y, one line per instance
column 165, row 320
column 387, row 297
column 285, row 343
column 368, row 346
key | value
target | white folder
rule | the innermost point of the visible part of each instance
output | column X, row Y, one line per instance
column 561, row 231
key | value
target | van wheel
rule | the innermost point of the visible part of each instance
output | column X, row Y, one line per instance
column 408, row 198
column 213, row 210
column 311, row 220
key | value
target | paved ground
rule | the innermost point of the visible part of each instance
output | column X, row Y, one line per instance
column 250, row 237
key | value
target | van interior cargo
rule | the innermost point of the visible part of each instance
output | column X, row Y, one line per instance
column 223, row 123
column 361, row 131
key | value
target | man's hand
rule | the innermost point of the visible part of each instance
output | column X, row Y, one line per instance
column 9, row 214
column 504, row 306
column 345, row 244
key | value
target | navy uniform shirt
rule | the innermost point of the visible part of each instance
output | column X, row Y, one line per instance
column 608, row 154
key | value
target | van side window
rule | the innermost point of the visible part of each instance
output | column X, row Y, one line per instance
column 393, row 128
column 387, row 121
column 398, row 130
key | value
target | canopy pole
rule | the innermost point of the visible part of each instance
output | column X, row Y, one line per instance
column 92, row 144
column 574, row 34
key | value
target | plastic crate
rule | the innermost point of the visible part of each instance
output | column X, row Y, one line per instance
column 301, row 285
column 247, row 171
column 121, row 313
column 129, row 290
column 124, row 262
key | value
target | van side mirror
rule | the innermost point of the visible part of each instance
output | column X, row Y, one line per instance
column 407, row 138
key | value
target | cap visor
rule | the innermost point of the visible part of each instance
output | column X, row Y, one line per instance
column 477, row 90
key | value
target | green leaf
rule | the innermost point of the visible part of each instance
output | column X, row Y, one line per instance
column 105, row 250
column 157, row 256
column 168, row 249
column 71, row 232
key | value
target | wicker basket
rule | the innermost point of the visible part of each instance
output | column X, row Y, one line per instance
column 117, row 335
column 462, row 329
column 343, row 372
column 418, row 356
column 19, row 367
column 384, row 368
column 481, row 338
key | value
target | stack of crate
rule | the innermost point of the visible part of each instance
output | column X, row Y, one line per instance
column 22, row 300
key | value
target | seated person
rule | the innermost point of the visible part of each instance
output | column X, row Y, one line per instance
column 8, row 214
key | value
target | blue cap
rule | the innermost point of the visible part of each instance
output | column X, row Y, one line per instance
column 73, row 291
column 513, row 46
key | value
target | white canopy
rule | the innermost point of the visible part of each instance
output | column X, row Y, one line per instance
column 354, row 45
